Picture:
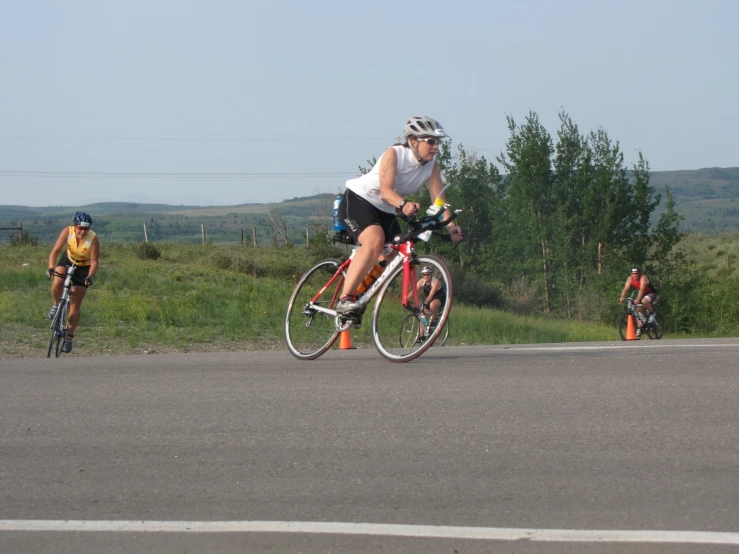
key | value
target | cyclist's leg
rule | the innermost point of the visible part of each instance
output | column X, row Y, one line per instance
column 372, row 240
column 647, row 301
column 370, row 229
column 436, row 304
column 75, row 303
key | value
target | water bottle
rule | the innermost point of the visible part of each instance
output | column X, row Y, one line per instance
column 436, row 208
column 338, row 224
column 371, row 277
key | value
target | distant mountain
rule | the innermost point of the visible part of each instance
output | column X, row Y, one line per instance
column 708, row 198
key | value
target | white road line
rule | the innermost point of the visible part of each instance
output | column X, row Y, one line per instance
column 610, row 347
column 377, row 529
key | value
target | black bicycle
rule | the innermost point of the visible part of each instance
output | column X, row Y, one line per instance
column 60, row 323
column 654, row 329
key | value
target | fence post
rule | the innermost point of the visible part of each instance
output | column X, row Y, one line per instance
column 254, row 235
column 242, row 237
column 202, row 232
column 306, row 238
column 146, row 236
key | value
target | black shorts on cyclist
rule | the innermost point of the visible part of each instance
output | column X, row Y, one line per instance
column 357, row 214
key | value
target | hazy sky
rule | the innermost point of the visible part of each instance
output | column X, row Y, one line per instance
column 234, row 101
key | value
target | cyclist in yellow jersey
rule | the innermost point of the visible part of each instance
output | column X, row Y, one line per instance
column 83, row 250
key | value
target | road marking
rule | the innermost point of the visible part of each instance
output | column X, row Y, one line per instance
column 377, row 529
column 610, row 347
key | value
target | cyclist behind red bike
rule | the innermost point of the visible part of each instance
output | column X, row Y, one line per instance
column 646, row 294
column 82, row 249
column 435, row 291
column 370, row 203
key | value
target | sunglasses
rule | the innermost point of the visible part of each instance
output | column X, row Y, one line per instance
column 430, row 141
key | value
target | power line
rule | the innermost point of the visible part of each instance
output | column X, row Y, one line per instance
column 178, row 175
column 193, row 139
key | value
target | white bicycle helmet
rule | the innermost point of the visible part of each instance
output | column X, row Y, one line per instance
column 422, row 126
column 426, row 270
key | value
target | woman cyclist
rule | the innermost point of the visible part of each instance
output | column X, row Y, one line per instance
column 82, row 249
column 371, row 202
column 435, row 291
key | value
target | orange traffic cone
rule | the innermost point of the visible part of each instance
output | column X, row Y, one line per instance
column 630, row 333
column 345, row 342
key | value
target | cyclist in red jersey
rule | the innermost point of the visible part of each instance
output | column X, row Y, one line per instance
column 646, row 295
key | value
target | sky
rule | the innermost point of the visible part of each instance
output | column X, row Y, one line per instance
column 224, row 102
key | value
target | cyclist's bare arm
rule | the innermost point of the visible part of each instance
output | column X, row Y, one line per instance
column 435, row 186
column 59, row 245
column 94, row 257
column 624, row 292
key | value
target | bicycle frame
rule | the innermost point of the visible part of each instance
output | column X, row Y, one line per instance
column 406, row 251
column 313, row 323
column 58, row 323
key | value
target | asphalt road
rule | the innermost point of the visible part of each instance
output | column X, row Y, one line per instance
column 468, row 449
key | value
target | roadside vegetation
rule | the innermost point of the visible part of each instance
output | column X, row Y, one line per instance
column 159, row 298
column 551, row 231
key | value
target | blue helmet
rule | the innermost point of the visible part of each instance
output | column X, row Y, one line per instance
column 82, row 219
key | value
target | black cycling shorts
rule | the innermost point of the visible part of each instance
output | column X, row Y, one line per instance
column 357, row 214
column 78, row 279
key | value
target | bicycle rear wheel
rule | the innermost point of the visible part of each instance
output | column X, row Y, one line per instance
column 656, row 330
column 309, row 332
column 389, row 314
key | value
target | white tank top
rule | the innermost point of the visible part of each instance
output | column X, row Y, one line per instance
column 410, row 178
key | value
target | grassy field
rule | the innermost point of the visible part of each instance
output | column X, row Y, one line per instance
column 210, row 298
column 716, row 254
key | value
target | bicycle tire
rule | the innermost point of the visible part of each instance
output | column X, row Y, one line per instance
column 410, row 331
column 656, row 330
column 310, row 333
column 56, row 333
column 389, row 313
column 54, row 343
column 441, row 341
column 63, row 327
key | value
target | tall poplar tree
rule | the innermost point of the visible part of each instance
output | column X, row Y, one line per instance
column 532, row 205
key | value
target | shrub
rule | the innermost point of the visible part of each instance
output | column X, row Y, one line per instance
column 147, row 251
column 23, row 239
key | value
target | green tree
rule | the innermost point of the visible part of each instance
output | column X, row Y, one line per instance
column 532, row 205
column 666, row 236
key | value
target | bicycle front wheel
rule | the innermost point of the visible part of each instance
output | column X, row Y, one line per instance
column 309, row 332
column 656, row 330
column 390, row 315
column 58, row 330
column 54, row 343
column 410, row 331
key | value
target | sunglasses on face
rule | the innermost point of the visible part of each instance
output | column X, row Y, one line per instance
column 430, row 141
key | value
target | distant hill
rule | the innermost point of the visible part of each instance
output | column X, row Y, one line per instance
column 708, row 198
column 124, row 221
